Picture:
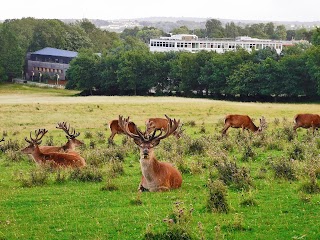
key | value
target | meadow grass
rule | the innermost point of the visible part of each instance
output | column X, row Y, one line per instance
column 71, row 208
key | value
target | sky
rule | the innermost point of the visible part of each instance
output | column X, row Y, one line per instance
column 267, row 10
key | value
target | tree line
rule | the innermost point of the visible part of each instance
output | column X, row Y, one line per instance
column 131, row 69
column 126, row 66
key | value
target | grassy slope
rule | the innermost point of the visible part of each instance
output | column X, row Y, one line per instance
column 76, row 210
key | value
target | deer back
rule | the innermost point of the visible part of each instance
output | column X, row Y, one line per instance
column 307, row 120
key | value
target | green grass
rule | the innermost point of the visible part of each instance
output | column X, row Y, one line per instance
column 82, row 210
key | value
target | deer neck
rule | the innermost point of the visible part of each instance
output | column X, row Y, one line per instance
column 149, row 166
column 253, row 127
column 37, row 155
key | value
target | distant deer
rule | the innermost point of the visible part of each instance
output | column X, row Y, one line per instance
column 56, row 159
column 71, row 143
column 156, row 176
column 161, row 123
column 306, row 120
column 116, row 129
column 242, row 121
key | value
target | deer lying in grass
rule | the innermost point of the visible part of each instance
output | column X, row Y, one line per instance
column 56, row 159
column 71, row 143
column 306, row 120
column 161, row 123
column 116, row 129
column 242, row 121
column 156, row 176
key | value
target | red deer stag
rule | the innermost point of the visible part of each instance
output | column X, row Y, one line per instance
column 71, row 144
column 56, row 159
column 161, row 123
column 242, row 121
column 306, row 120
column 116, row 129
column 156, row 176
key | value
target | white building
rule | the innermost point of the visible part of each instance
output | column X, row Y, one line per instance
column 191, row 43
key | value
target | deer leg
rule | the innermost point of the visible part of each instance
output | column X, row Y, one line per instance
column 110, row 139
column 224, row 130
column 141, row 187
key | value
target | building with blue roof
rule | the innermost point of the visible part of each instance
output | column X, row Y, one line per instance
column 49, row 63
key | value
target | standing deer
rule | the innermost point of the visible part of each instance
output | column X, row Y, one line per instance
column 71, row 143
column 57, row 159
column 306, row 120
column 242, row 121
column 161, row 123
column 156, row 176
column 116, row 129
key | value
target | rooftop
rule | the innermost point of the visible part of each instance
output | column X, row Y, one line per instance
column 56, row 52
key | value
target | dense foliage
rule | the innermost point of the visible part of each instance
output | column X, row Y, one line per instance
column 127, row 67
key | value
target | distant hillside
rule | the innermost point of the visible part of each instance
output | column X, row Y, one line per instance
column 168, row 23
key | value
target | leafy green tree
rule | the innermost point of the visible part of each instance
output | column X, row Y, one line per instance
column 181, row 30
column 146, row 33
column 313, row 65
column 214, row 29
column 269, row 30
column 315, row 40
column 280, row 32
column 231, row 30
column 11, row 54
column 82, row 73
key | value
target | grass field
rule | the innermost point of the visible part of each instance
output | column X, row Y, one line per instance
column 273, row 195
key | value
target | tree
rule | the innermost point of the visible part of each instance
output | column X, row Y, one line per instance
column 214, row 29
column 82, row 73
column 315, row 40
column 11, row 53
column 181, row 30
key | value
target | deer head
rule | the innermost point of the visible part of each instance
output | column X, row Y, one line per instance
column 34, row 142
column 147, row 141
column 71, row 134
column 263, row 124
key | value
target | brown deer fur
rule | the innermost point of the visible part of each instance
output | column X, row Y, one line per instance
column 116, row 129
column 306, row 120
column 56, row 159
column 239, row 121
column 156, row 175
column 160, row 124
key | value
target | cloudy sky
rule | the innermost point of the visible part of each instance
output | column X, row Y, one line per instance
column 267, row 10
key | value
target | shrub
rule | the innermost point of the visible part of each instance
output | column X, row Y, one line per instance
column 87, row 174
column 217, row 200
column 284, row 169
column 232, row 175
column 178, row 225
column 36, row 177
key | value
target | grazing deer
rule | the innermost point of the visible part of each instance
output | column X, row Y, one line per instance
column 242, row 121
column 71, row 144
column 57, row 159
column 156, row 176
column 306, row 120
column 161, row 123
column 116, row 129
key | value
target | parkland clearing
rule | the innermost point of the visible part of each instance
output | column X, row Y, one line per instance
column 243, row 185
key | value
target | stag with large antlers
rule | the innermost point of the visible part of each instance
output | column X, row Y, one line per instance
column 70, row 145
column 116, row 129
column 56, row 159
column 244, row 122
column 161, row 123
column 156, row 176
column 306, row 120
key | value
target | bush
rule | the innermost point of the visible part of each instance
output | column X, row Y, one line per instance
column 284, row 169
column 217, row 201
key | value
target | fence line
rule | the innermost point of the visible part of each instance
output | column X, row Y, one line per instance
column 44, row 85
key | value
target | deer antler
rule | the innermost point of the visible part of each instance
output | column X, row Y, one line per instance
column 66, row 129
column 172, row 126
column 123, row 123
column 2, row 140
column 39, row 134
column 263, row 123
